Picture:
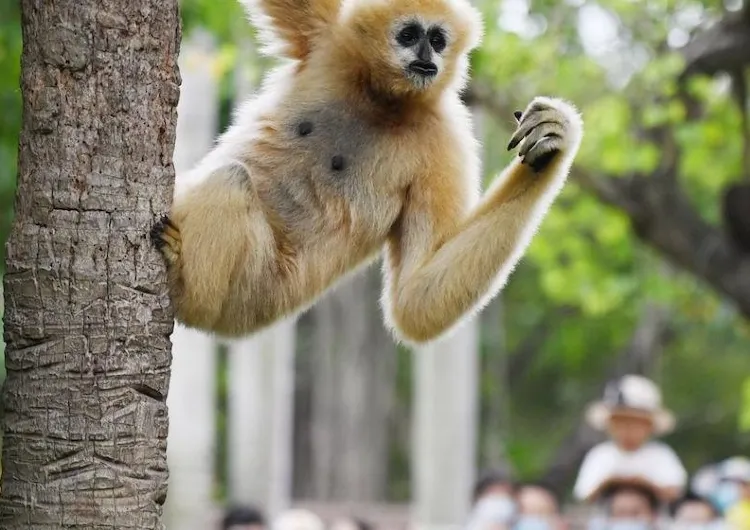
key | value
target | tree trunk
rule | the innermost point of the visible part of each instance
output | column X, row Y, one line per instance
column 353, row 378
column 87, row 319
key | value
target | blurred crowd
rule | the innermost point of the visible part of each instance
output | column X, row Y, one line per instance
column 630, row 481
column 248, row 518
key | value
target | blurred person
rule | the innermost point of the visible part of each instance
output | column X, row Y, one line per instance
column 493, row 481
column 735, row 481
column 297, row 519
column 694, row 509
column 351, row 523
column 494, row 506
column 539, row 508
column 243, row 518
column 627, row 506
column 631, row 413
column 630, row 502
column 706, row 479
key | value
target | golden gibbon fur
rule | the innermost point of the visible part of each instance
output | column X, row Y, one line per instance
column 359, row 144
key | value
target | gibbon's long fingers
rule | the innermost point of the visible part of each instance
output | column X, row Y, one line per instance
column 542, row 152
column 542, row 131
column 531, row 120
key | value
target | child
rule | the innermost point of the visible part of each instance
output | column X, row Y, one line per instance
column 632, row 414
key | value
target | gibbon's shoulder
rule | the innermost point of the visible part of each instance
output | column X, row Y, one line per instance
column 457, row 125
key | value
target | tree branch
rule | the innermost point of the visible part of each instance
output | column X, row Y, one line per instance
column 722, row 47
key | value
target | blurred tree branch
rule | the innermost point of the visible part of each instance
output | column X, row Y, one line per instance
column 723, row 47
column 659, row 210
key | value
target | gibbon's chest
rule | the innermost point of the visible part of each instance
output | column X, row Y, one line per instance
column 341, row 151
column 332, row 162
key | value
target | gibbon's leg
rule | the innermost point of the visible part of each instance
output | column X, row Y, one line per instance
column 439, row 269
column 215, row 235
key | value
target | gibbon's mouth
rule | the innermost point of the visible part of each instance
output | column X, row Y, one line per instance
column 424, row 68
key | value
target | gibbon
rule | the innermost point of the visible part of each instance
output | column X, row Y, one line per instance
column 359, row 143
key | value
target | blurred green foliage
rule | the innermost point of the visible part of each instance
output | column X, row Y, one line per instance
column 585, row 257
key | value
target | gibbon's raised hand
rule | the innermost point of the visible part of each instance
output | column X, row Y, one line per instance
column 359, row 145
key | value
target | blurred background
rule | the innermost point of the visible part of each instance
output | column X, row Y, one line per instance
column 641, row 267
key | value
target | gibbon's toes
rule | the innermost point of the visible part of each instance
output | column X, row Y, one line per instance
column 166, row 238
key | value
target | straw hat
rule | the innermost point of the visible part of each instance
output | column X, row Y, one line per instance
column 635, row 395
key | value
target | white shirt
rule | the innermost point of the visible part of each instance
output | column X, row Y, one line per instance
column 653, row 461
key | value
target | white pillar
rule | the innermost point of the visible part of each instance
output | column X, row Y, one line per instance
column 446, row 424
column 445, row 429
column 261, row 394
column 192, row 394
column 191, row 443
column 261, row 379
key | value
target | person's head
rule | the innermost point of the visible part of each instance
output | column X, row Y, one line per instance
column 734, row 483
column 243, row 518
column 351, row 523
column 631, row 412
column 694, row 509
column 630, row 502
column 628, row 429
column 536, row 498
column 497, row 482
column 538, row 507
column 298, row 519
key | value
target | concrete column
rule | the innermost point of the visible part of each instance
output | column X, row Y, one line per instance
column 192, row 394
column 261, row 379
column 445, row 429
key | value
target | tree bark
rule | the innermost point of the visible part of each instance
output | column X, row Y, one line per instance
column 87, row 320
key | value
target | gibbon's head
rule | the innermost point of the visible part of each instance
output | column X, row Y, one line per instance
column 413, row 46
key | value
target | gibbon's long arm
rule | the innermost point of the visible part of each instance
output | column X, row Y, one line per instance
column 289, row 27
column 439, row 268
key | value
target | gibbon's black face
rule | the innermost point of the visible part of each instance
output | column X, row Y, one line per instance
column 419, row 47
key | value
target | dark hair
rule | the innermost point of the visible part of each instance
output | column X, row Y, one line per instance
column 361, row 524
column 644, row 491
column 489, row 478
column 237, row 515
column 689, row 497
column 542, row 485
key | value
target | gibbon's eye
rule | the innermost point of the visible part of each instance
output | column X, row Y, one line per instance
column 409, row 35
column 437, row 40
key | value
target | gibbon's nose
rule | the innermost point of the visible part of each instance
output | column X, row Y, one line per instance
column 424, row 68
